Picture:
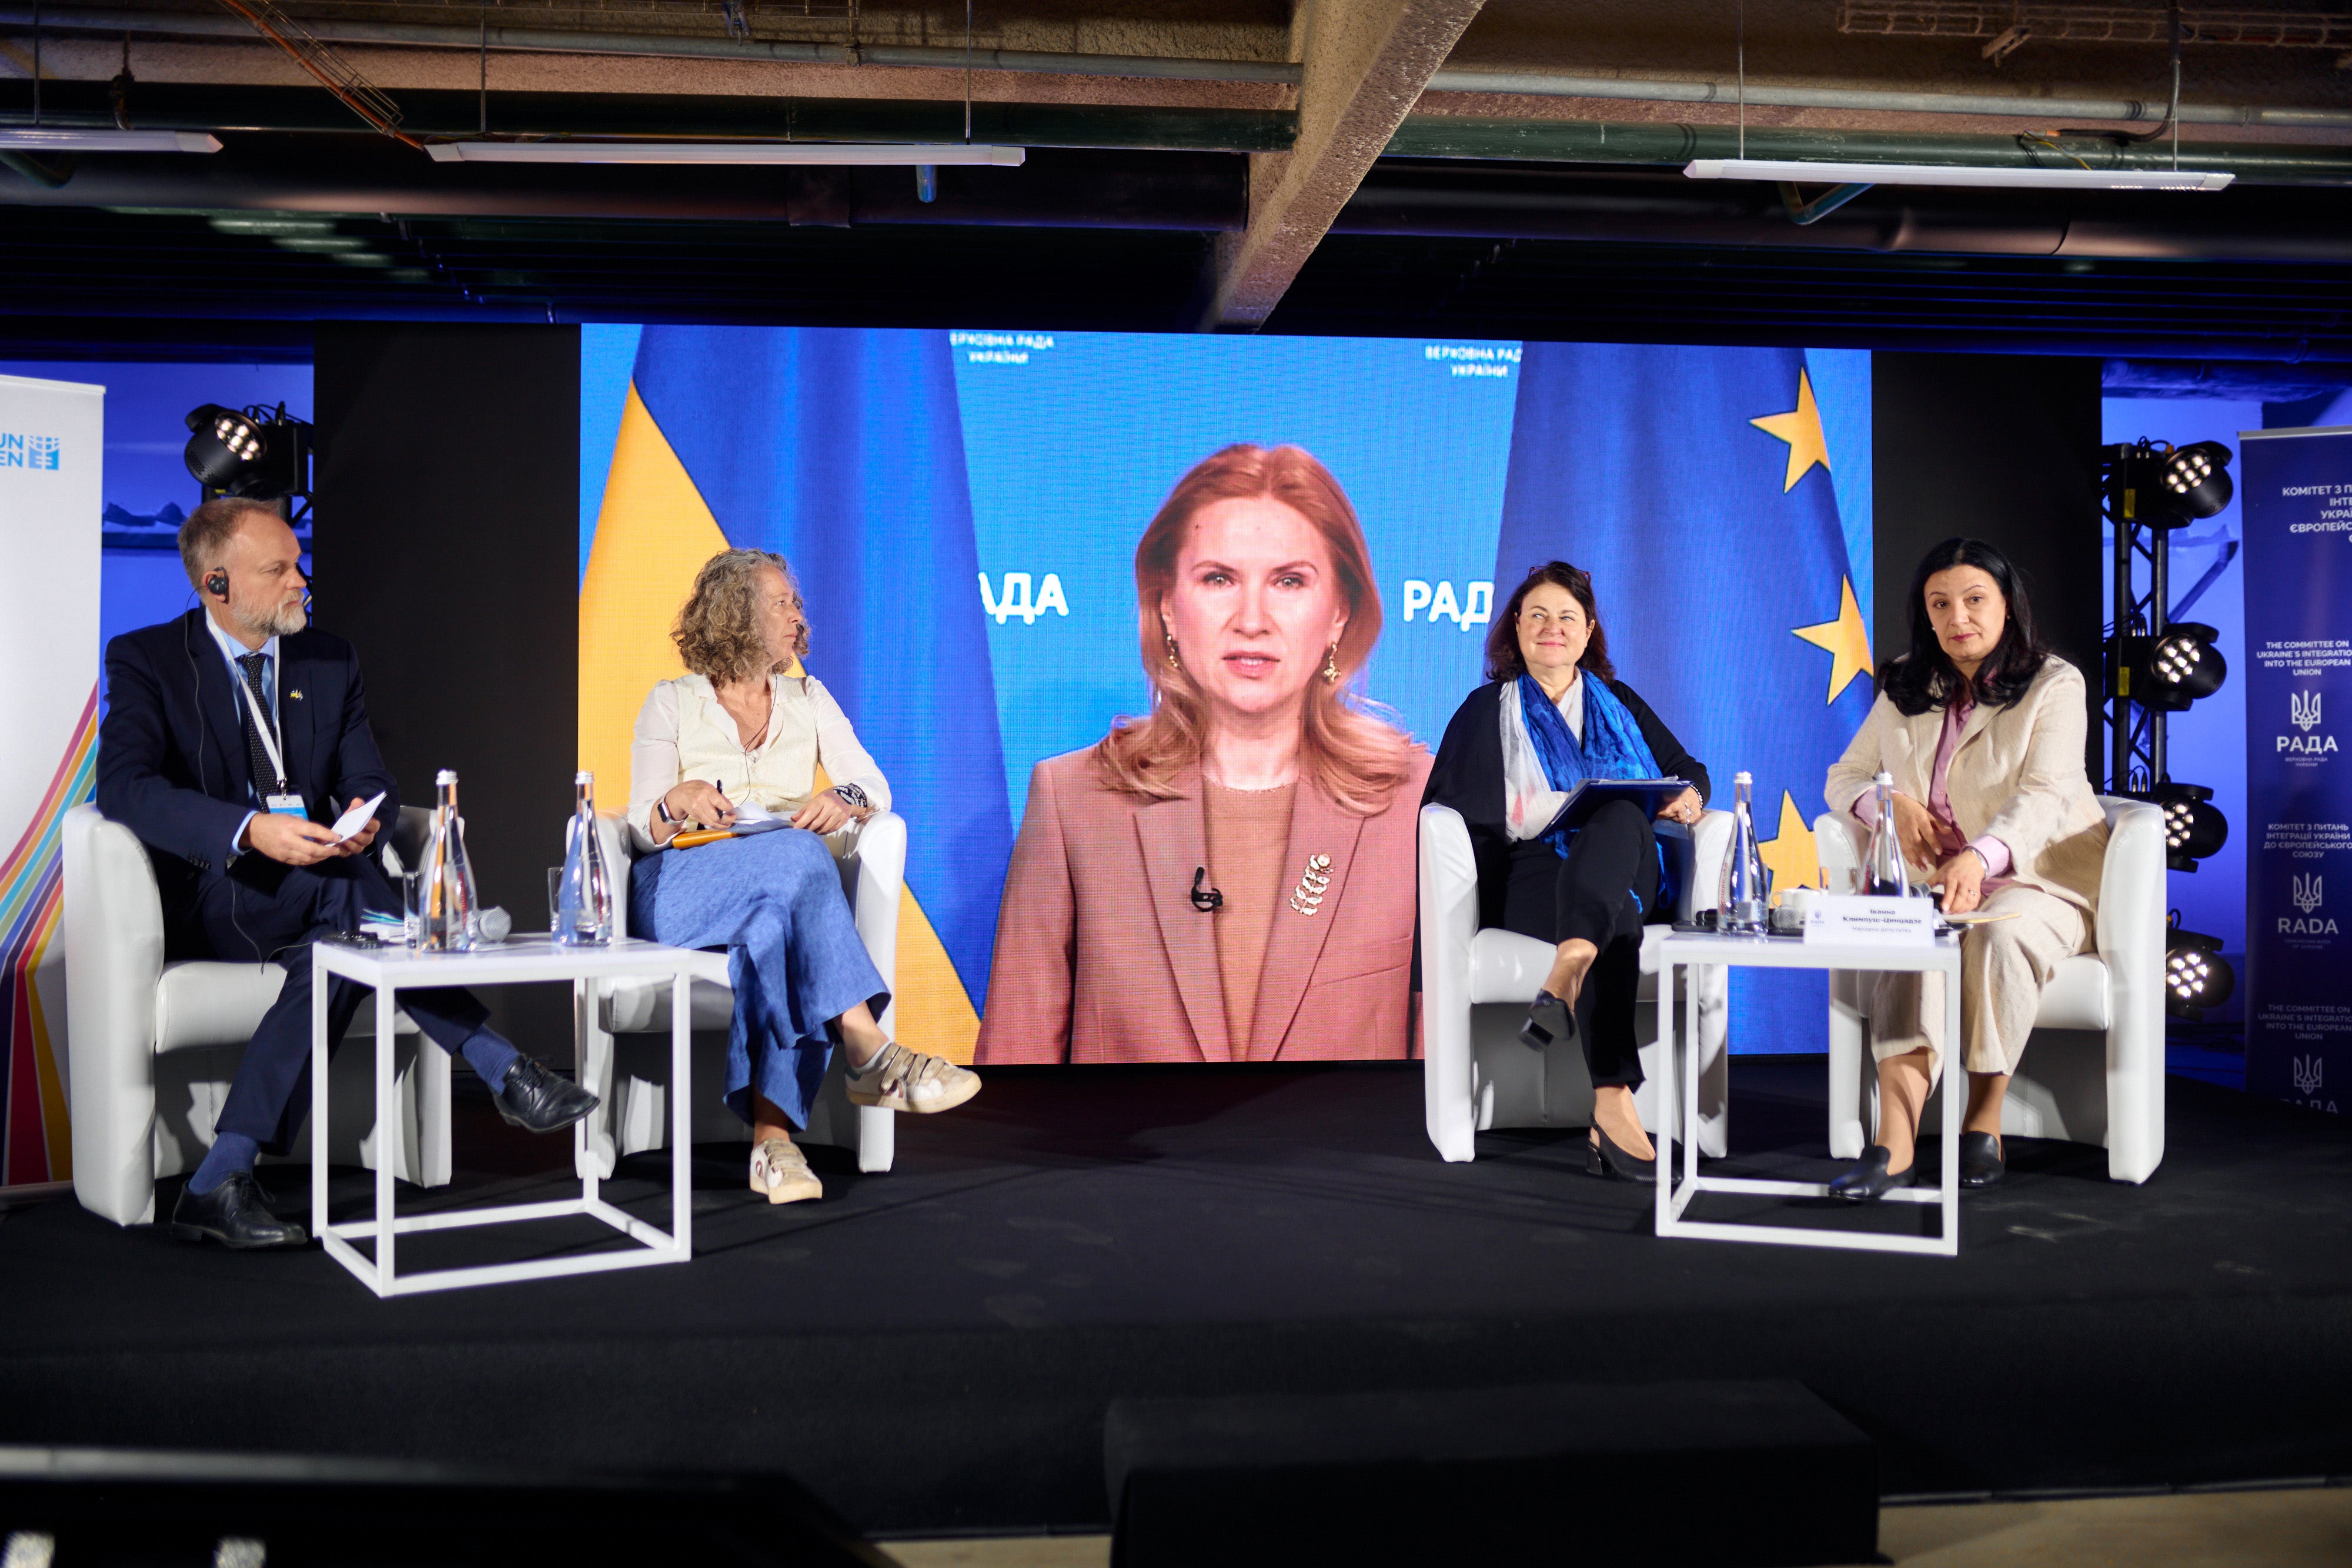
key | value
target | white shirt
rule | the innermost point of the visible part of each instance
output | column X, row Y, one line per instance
column 683, row 733
column 1529, row 802
column 232, row 650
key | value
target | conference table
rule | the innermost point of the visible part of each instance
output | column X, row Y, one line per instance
column 1700, row 950
column 391, row 969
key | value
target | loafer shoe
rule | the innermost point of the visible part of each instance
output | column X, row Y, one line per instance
column 234, row 1215
column 1982, row 1164
column 1871, row 1180
column 536, row 1099
column 902, row 1080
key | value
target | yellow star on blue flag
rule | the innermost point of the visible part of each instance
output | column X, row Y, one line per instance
column 1846, row 639
column 1800, row 427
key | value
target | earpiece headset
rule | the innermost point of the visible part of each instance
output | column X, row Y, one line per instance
column 216, row 583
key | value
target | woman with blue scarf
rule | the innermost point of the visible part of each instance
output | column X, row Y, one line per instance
column 1551, row 717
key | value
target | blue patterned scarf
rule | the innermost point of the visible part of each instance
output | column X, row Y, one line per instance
column 1612, row 746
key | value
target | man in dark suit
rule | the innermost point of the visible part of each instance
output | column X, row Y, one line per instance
column 233, row 736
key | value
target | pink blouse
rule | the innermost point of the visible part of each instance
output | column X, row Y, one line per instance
column 1991, row 851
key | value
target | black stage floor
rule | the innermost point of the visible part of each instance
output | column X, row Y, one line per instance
column 931, row 1349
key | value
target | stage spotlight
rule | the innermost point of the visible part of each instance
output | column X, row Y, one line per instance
column 256, row 452
column 2196, row 977
column 2194, row 829
column 2173, row 670
column 2196, row 479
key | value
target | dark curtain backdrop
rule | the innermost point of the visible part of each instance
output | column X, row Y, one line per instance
column 447, row 549
column 2001, row 448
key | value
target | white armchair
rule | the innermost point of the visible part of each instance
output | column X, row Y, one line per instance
column 152, row 1047
column 1476, row 986
column 2094, row 1070
column 625, row 1024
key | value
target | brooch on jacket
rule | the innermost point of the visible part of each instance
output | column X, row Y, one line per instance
column 1306, row 898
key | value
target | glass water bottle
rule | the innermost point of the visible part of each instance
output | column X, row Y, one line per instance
column 583, row 904
column 450, row 907
column 1744, row 898
column 1882, row 874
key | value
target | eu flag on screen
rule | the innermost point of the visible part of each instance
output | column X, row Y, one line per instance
column 1694, row 484
column 842, row 451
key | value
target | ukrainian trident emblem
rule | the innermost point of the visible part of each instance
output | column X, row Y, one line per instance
column 2306, row 1075
column 2306, row 893
column 2303, row 710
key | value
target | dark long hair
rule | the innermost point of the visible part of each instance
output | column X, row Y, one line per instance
column 1503, row 661
column 1924, row 676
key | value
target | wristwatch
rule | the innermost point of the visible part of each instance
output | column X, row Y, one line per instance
column 661, row 804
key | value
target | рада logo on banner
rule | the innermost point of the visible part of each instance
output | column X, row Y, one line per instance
column 2305, row 890
column 2303, row 712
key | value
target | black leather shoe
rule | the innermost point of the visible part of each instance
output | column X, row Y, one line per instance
column 1981, row 1161
column 1871, row 1180
column 536, row 1099
column 1604, row 1159
column 234, row 1215
column 1549, row 1023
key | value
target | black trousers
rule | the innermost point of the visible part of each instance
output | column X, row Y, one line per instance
column 260, row 910
column 1605, row 892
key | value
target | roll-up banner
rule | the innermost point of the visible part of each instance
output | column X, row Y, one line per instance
column 51, row 451
column 2298, row 522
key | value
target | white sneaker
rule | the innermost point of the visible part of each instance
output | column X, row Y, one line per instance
column 780, row 1172
column 902, row 1080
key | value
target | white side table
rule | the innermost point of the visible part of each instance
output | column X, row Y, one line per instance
column 390, row 970
column 1700, row 950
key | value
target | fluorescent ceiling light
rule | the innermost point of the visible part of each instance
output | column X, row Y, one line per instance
column 64, row 139
column 898, row 153
column 1811, row 173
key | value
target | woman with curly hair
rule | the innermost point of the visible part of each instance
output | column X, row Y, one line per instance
column 1230, row 878
column 737, row 732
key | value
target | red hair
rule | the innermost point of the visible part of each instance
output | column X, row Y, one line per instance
column 1355, row 760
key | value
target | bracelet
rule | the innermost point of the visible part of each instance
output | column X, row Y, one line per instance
column 851, row 795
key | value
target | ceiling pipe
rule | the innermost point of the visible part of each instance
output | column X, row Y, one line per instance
column 669, row 47
column 1518, row 84
column 656, row 46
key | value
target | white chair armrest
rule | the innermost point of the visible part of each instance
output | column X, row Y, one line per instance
column 2130, row 937
column 1710, row 839
column 1449, row 921
column 114, row 956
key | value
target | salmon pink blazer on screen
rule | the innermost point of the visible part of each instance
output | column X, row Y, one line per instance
column 1101, row 955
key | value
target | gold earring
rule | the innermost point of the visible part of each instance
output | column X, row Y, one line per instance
column 1173, row 663
column 1331, row 666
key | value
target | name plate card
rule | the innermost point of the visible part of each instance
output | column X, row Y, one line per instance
column 1871, row 922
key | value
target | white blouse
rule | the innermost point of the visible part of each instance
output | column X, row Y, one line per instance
column 1529, row 802
column 682, row 733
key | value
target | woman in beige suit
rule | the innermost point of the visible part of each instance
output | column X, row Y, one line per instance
column 1982, row 730
column 1230, row 879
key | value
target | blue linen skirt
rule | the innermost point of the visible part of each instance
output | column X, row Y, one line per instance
column 773, row 901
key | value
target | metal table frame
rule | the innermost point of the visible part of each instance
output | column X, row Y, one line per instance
column 392, row 969
column 1702, row 950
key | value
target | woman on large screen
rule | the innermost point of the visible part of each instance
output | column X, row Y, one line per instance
column 1230, row 878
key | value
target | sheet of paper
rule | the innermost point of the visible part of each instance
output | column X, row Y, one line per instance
column 352, row 821
column 750, row 813
column 1873, row 922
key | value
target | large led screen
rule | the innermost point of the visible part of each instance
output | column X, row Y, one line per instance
column 962, row 510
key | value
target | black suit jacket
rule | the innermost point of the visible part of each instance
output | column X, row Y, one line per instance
column 172, row 763
column 1468, row 776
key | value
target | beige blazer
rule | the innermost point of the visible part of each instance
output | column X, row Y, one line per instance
column 1101, row 955
column 2016, row 774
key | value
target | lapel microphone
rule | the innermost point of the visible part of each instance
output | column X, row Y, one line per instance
column 1208, row 901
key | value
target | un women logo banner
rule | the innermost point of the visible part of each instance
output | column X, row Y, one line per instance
column 2298, row 519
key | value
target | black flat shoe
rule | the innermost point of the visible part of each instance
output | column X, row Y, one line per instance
column 234, row 1215
column 1604, row 1159
column 1870, row 1181
column 535, row 1099
column 1549, row 1023
column 1981, row 1161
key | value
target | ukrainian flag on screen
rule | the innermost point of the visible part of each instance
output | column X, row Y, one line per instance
column 842, row 451
column 1695, row 484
